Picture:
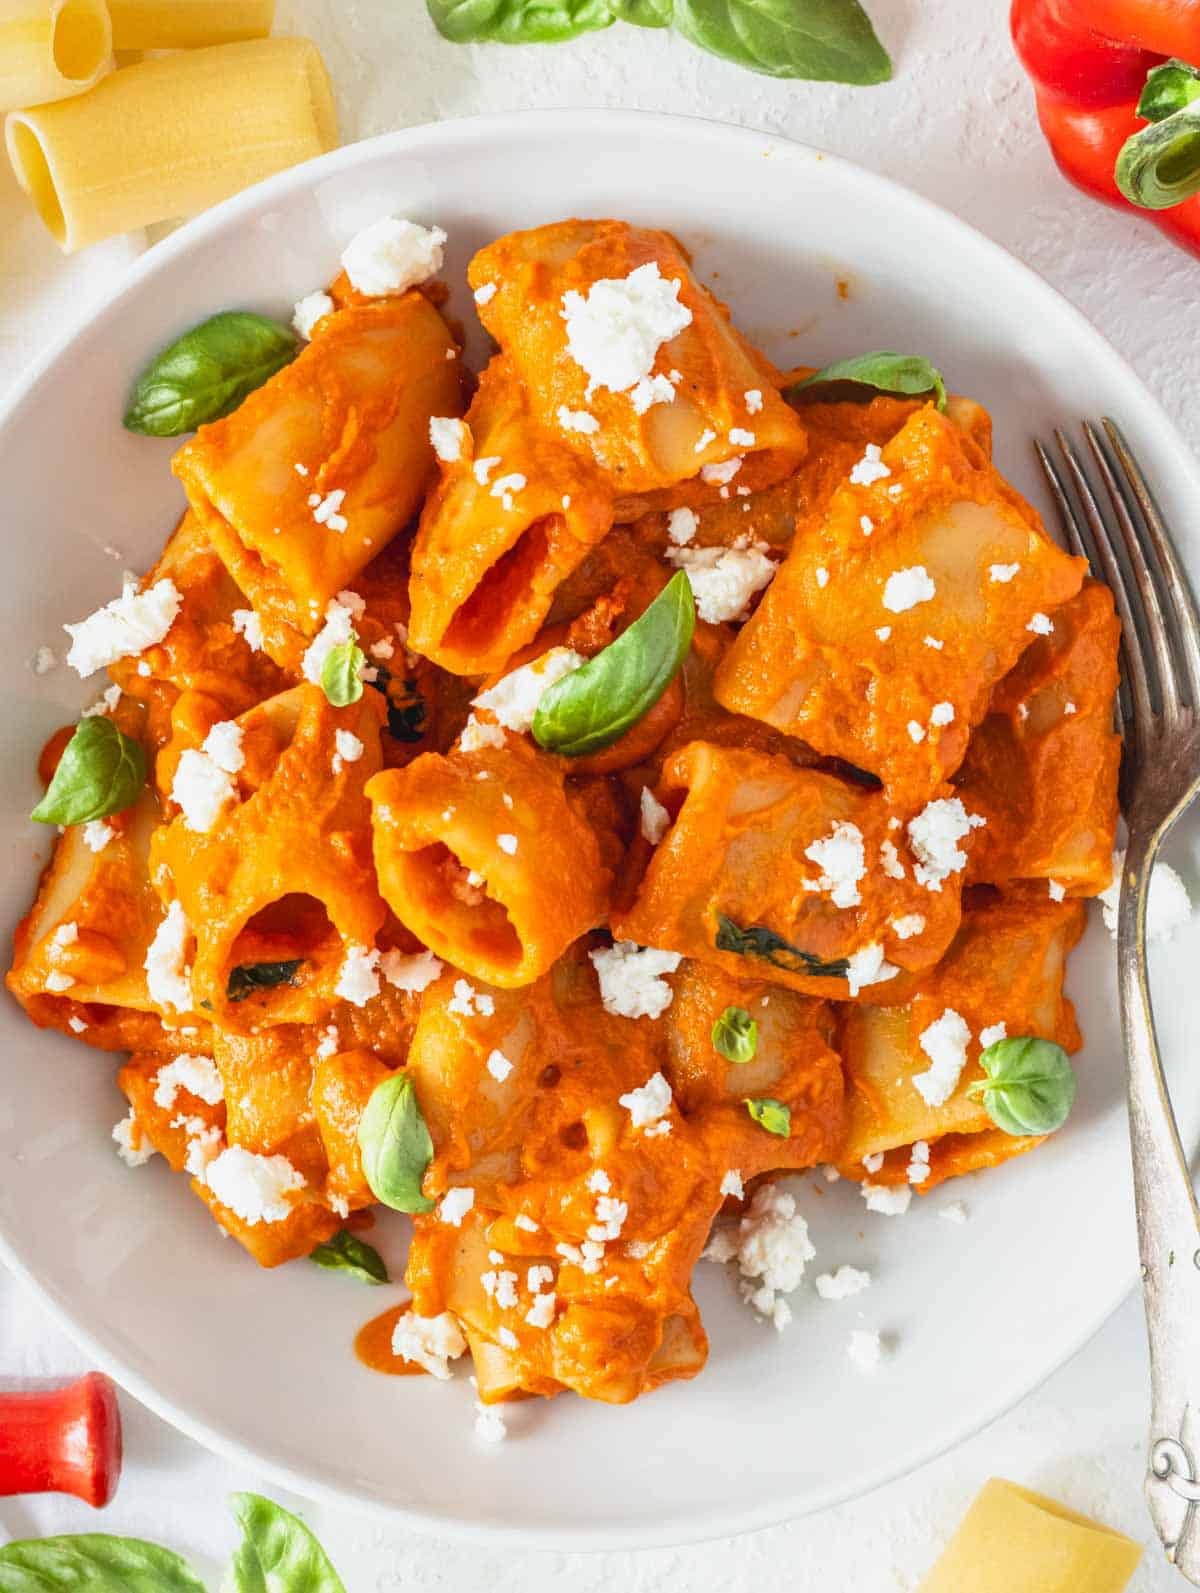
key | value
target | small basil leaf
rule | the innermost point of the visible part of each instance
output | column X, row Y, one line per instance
column 1159, row 166
column 770, row 1114
column 1168, row 89
column 1030, row 1085
column 277, row 1552
column 597, row 703
column 758, row 941
column 93, row 1562
column 829, row 40
column 341, row 674
column 884, row 370
column 243, row 981
column 101, row 771
column 735, row 1035
column 645, row 13
column 517, row 21
column 207, row 373
column 347, row 1253
column 395, row 1144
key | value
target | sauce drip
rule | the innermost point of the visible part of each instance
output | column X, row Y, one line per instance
column 373, row 1344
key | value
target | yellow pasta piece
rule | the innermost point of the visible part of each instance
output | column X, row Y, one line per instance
column 51, row 49
column 1014, row 1538
column 168, row 137
column 184, row 24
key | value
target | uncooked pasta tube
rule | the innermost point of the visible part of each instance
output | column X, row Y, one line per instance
column 185, row 24
column 51, row 49
column 168, row 137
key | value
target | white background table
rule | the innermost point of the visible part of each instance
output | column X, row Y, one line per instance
column 957, row 124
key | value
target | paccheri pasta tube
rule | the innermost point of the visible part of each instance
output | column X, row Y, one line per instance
column 186, row 24
column 167, row 137
column 51, row 49
column 307, row 482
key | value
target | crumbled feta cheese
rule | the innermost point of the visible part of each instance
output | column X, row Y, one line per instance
column 843, row 1284
column 904, row 589
column 865, row 1348
column 580, row 420
column 521, row 1220
column 648, row 1102
column 771, row 1246
column 202, row 790
column 599, row 1182
column 358, row 978
column 1041, row 625
column 887, row 1200
column 507, row 844
column 455, row 1205
column 1057, row 890
column 842, row 859
column 909, row 925
column 884, row 632
column 541, row 1313
column 44, row 660
column 945, row 1043
column 197, row 1075
column 168, row 976
column 505, row 486
column 477, row 734
column 732, row 1186
column 449, row 437
column 656, row 821
column 469, row 1002
column 328, row 1043
column 873, row 1162
column 867, row 966
column 631, row 982
column 313, row 307
column 917, row 1170
column 509, row 1341
column 942, row 714
column 133, row 1155
column 720, row 475
column 1069, row 708
column 933, row 641
column 1168, row 908
column 705, row 438
column 681, row 526
column 753, row 400
column 513, row 701
column 889, row 859
column 955, row 1212
column 649, row 391
column 610, row 1219
column 56, row 981
column 412, row 974
column 327, row 510
column 499, row 1066
column 247, row 624
column 76, row 1025
column 740, row 438
column 822, row 577
column 255, row 1188
column 501, row 1286
column 934, row 835
column 870, row 468
column 392, row 255
column 723, row 580
column 349, row 748
column 485, row 293
column 616, row 329
column 1002, row 572
column 431, row 1342
column 916, row 731
column 123, row 628
column 992, row 1035
column 337, row 630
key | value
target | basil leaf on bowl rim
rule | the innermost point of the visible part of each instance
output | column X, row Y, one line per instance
column 277, row 1552
column 828, row 41
column 1030, row 1085
column 759, row 941
column 101, row 771
column 518, row 21
column 341, row 674
column 770, row 1114
column 248, row 977
column 735, row 1035
column 594, row 705
column 94, row 1562
column 903, row 375
column 395, row 1144
column 205, row 374
column 346, row 1252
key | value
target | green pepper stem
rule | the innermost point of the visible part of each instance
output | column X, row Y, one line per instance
column 1159, row 166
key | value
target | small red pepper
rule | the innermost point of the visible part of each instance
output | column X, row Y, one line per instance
column 62, row 1440
column 1090, row 61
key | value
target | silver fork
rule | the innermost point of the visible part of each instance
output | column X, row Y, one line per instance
column 1130, row 548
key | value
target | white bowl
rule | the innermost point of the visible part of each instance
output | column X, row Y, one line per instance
column 259, row 1365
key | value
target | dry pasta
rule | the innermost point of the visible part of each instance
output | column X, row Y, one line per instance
column 186, row 24
column 51, row 49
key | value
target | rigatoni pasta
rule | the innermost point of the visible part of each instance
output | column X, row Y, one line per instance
column 51, row 49
column 187, row 24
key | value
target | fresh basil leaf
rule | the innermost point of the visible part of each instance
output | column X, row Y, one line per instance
column 341, row 674
column 770, row 1114
column 101, row 771
column 347, row 1253
column 243, row 981
column 758, row 941
column 884, row 370
column 597, row 703
column 1030, row 1085
column 1168, row 89
column 395, row 1144
column 406, row 711
column 278, row 1553
column 93, row 1562
column 735, row 1035
column 518, row 21
column 645, row 13
column 829, row 40
column 1159, row 166
column 207, row 373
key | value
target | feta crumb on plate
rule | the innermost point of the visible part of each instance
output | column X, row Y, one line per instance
column 865, row 1348
column 843, row 1284
column 771, row 1246
column 431, row 1342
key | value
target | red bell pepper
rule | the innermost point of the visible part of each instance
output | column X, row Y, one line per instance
column 62, row 1440
column 1118, row 97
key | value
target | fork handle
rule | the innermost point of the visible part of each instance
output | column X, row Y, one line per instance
column 1168, row 1224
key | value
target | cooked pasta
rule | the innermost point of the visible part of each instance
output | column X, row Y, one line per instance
column 559, row 821
column 51, row 49
column 167, row 137
column 185, row 24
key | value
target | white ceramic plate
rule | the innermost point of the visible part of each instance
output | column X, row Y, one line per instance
column 259, row 1365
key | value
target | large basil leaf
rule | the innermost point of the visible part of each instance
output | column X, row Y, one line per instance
column 829, row 40
column 100, row 772
column 278, row 1553
column 93, row 1562
column 518, row 21
column 341, row 674
column 208, row 372
column 597, row 703
column 1159, row 166
column 395, row 1144
column 1030, row 1085
column 244, row 980
column 758, row 941
column 345, row 1252
column 884, row 370
column 1168, row 89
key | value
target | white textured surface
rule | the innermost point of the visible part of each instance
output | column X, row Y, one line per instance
column 957, row 125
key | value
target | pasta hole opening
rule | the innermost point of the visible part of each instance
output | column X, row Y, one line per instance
column 81, row 38
column 466, row 915
column 281, row 947
column 487, row 614
column 32, row 167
